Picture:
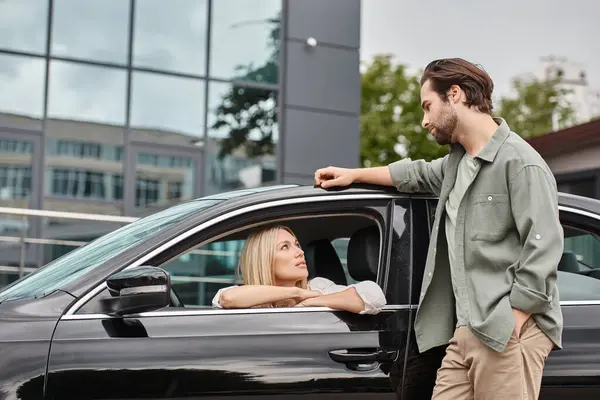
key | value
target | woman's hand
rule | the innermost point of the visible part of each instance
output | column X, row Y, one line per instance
column 305, row 294
column 347, row 300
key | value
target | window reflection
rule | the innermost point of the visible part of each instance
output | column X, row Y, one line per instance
column 167, row 103
column 87, row 93
column 16, row 158
column 23, row 25
column 172, row 37
column 163, row 180
column 96, row 30
column 242, row 137
column 245, row 40
column 22, row 85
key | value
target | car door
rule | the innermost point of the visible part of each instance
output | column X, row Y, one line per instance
column 574, row 371
column 197, row 351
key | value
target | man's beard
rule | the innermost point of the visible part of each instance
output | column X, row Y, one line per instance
column 446, row 126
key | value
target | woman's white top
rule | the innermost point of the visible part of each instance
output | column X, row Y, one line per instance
column 370, row 293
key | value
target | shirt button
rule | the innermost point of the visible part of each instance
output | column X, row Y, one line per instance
column 429, row 274
column 538, row 236
column 489, row 198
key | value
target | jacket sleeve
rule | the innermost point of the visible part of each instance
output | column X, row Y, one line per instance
column 534, row 203
column 418, row 176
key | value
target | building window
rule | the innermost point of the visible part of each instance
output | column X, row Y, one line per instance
column 146, row 192
column 78, row 184
column 15, row 182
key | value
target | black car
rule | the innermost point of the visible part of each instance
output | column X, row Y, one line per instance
column 129, row 316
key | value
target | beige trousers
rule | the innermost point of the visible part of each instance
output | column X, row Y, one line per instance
column 471, row 370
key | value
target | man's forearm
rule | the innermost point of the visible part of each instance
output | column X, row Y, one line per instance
column 374, row 175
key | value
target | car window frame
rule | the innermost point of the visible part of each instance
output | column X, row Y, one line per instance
column 71, row 312
column 585, row 221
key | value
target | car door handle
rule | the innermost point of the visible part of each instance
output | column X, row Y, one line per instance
column 363, row 357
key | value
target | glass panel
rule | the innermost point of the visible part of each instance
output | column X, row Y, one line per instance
column 18, row 257
column 163, row 180
column 341, row 248
column 96, row 30
column 245, row 40
column 84, row 148
column 579, row 267
column 168, row 104
column 171, row 38
column 87, row 93
column 76, row 263
column 199, row 274
column 16, row 157
column 21, row 89
column 243, row 135
column 23, row 25
column 7, row 277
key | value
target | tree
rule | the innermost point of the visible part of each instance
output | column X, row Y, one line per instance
column 391, row 115
column 536, row 103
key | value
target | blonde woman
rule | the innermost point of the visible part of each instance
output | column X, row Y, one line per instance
column 275, row 275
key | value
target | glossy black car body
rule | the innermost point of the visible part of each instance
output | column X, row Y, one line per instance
column 59, row 346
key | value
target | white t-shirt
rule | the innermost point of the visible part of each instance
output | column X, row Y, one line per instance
column 370, row 293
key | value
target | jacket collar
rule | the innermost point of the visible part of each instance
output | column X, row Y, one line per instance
column 489, row 152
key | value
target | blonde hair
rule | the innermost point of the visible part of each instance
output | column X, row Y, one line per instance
column 256, row 260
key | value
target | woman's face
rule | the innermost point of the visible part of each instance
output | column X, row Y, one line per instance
column 288, row 261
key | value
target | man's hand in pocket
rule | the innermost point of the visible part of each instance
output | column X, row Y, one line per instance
column 520, row 319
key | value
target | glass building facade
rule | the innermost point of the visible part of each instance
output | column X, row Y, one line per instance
column 133, row 106
column 124, row 107
column 121, row 108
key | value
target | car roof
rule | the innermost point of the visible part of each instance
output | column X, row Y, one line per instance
column 281, row 192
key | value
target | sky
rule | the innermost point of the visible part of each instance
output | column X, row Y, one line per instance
column 507, row 37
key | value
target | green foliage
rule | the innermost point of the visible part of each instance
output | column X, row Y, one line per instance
column 530, row 111
column 391, row 116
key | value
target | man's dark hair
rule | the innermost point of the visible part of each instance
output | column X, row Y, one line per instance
column 471, row 78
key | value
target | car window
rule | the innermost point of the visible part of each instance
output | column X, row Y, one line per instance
column 579, row 266
column 341, row 248
column 197, row 275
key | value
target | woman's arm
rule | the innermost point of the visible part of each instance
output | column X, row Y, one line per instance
column 347, row 300
column 364, row 297
column 248, row 296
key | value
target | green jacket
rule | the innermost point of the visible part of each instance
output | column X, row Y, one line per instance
column 509, row 239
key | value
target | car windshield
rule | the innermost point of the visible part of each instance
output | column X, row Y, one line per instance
column 79, row 261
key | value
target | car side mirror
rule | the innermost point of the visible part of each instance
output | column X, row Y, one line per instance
column 136, row 290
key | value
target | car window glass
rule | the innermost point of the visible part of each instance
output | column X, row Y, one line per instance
column 398, row 287
column 579, row 266
column 199, row 272
column 341, row 248
column 197, row 275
